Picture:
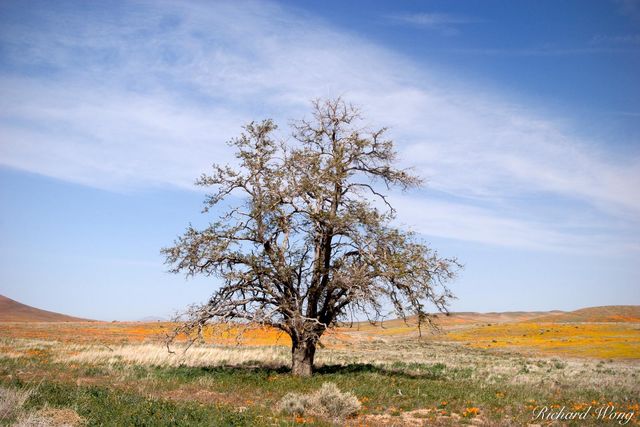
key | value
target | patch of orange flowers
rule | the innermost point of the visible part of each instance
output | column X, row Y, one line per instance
column 606, row 341
column 471, row 412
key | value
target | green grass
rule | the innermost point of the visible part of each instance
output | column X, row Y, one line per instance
column 383, row 390
column 128, row 394
column 101, row 406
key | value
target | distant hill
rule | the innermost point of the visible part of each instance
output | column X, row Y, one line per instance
column 13, row 311
column 462, row 318
column 152, row 319
column 493, row 317
column 612, row 313
column 607, row 313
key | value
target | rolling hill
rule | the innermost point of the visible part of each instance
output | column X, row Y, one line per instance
column 607, row 313
column 465, row 320
column 13, row 311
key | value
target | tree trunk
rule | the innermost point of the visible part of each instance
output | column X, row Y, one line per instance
column 302, row 354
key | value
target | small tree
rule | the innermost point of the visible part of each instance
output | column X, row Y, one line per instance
column 309, row 240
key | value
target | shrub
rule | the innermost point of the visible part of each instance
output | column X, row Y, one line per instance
column 293, row 404
column 326, row 402
column 330, row 402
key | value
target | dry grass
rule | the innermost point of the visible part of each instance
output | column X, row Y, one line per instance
column 519, row 359
column 11, row 402
column 406, row 355
column 157, row 354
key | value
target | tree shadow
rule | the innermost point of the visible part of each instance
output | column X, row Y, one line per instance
column 429, row 372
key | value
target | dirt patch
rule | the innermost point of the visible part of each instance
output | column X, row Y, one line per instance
column 89, row 381
column 418, row 418
column 61, row 416
column 51, row 417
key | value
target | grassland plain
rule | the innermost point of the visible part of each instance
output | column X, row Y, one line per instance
column 472, row 373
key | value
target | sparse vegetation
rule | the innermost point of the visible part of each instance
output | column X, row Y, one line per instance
column 113, row 373
column 398, row 380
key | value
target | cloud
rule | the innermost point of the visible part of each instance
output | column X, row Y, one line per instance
column 442, row 22
column 550, row 50
column 624, row 39
column 147, row 97
column 465, row 222
column 107, row 138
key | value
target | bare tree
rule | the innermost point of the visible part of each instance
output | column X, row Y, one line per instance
column 309, row 241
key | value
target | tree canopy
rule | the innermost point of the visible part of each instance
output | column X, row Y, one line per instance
column 305, row 236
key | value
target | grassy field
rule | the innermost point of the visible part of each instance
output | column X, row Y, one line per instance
column 96, row 373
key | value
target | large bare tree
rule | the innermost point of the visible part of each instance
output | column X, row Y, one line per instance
column 304, row 238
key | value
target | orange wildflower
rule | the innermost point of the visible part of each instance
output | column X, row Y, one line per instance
column 471, row 412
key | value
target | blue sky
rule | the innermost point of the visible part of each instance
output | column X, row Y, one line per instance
column 522, row 116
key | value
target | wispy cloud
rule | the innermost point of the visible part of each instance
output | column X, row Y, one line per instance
column 620, row 39
column 466, row 222
column 107, row 137
column 625, row 113
column 148, row 98
column 442, row 22
column 549, row 50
